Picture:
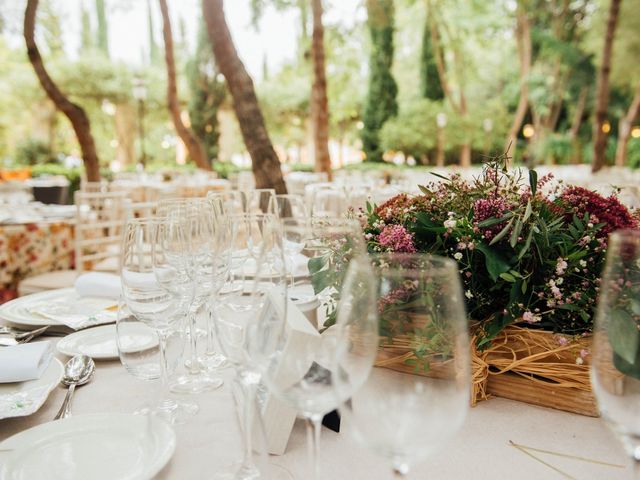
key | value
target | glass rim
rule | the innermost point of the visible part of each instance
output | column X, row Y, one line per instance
column 623, row 234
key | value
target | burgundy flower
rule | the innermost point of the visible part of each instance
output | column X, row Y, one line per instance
column 493, row 207
column 607, row 210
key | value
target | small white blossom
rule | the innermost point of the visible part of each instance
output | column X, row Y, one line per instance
column 450, row 223
column 458, row 256
column 468, row 294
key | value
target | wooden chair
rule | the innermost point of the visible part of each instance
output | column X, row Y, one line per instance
column 98, row 234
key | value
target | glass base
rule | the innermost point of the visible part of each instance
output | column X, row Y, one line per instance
column 198, row 383
column 171, row 411
column 214, row 361
column 241, row 472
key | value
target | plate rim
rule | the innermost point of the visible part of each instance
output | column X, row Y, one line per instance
column 50, row 389
column 33, row 297
column 162, row 455
column 84, row 332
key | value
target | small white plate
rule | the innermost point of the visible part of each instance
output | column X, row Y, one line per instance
column 57, row 308
column 20, row 399
column 100, row 343
column 96, row 447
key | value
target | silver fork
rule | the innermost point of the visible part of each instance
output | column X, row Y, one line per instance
column 23, row 337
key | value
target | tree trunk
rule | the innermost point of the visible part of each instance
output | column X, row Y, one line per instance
column 75, row 113
column 624, row 128
column 193, row 144
column 602, row 92
column 576, row 156
column 125, row 133
column 523, row 39
column 439, row 56
column 265, row 163
column 319, row 102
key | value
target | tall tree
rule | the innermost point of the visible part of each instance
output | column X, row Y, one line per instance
column 624, row 128
column 265, row 163
column 103, row 30
column 86, row 42
column 75, row 113
column 523, row 43
column 430, row 86
column 319, row 101
column 459, row 105
column 207, row 94
column 193, row 144
column 381, row 101
column 602, row 90
column 153, row 46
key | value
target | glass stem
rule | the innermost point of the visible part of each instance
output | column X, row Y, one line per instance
column 211, row 349
column 314, row 424
column 192, row 365
column 164, row 371
column 247, row 420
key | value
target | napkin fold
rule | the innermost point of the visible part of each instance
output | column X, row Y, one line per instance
column 98, row 285
column 26, row 361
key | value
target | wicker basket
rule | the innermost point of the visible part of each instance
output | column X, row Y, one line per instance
column 532, row 366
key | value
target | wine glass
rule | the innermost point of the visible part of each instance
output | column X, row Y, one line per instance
column 158, row 292
column 288, row 206
column 615, row 362
column 417, row 396
column 241, row 302
column 231, row 202
column 329, row 201
column 258, row 200
column 297, row 359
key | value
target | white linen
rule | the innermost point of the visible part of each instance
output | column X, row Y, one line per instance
column 98, row 285
column 27, row 361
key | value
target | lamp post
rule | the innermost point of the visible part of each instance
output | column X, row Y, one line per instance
column 140, row 94
column 441, row 122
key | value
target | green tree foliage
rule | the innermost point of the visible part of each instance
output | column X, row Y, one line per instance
column 208, row 92
column 86, row 36
column 381, row 96
column 430, row 86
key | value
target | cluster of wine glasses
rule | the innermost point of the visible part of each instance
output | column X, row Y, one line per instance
column 300, row 311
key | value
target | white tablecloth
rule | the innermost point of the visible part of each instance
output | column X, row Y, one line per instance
column 480, row 451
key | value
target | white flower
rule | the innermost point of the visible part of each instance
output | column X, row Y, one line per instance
column 560, row 281
column 458, row 256
column 583, row 263
column 468, row 294
column 579, row 361
column 450, row 223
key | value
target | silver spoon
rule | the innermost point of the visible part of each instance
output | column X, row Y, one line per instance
column 77, row 371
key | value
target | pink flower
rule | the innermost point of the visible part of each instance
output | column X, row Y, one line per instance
column 561, row 266
column 485, row 208
column 396, row 239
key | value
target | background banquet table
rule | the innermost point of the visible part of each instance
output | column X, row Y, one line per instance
column 31, row 248
column 481, row 450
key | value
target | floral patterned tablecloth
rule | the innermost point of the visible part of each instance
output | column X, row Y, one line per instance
column 30, row 249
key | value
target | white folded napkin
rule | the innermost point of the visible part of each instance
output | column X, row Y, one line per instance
column 23, row 362
column 98, row 285
column 300, row 266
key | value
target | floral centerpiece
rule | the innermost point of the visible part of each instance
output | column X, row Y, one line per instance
column 530, row 252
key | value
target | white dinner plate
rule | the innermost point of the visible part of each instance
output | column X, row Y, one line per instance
column 100, row 343
column 96, row 447
column 55, row 307
column 20, row 399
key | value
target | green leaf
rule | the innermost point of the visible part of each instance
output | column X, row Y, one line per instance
column 502, row 233
column 494, row 221
column 527, row 244
column 315, row 264
column 533, row 182
column 508, row 277
column 440, row 176
column 494, row 262
column 527, row 212
column 513, row 240
column 624, row 336
column 424, row 190
column 523, row 287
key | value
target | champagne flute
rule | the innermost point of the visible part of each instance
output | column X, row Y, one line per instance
column 243, row 301
column 258, row 200
column 288, row 206
column 410, row 406
column 615, row 362
column 158, row 292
